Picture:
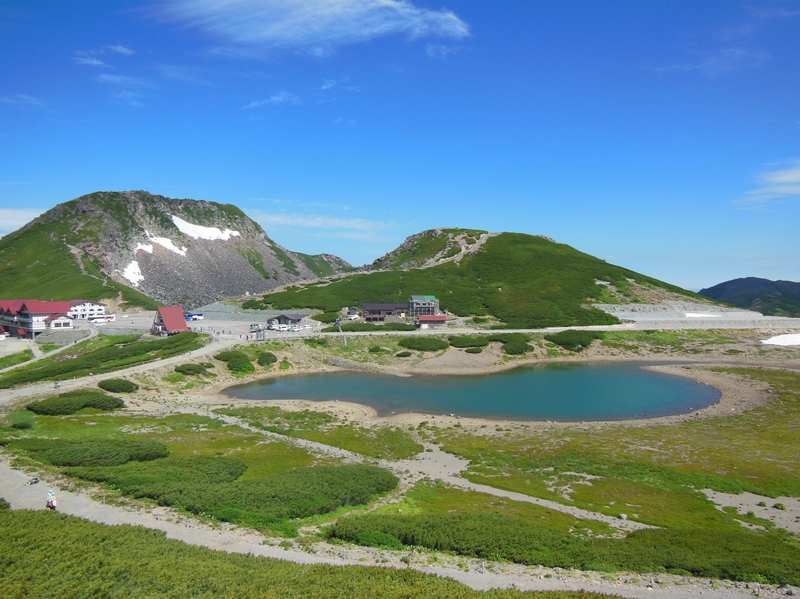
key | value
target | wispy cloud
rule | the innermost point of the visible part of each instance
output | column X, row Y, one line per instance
column 732, row 48
column 90, row 61
column 317, row 26
column 281, row 97
column 122, row 80
column 12, row 219
column 311, row 221
column 89, row 57
column 720, row 61
column 21, row 100
column 118, row 49
column 775, row 185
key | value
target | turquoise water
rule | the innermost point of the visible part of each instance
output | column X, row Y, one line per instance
column 565, row 392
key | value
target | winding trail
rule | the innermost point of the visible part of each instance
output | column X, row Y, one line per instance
column 433, row 463
column 13, row 488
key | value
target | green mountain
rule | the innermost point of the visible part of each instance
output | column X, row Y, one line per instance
column 771, row 298
column 522, row 280
column 142, row 249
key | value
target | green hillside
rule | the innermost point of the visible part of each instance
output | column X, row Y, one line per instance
column 522, row 280
column 36, row 263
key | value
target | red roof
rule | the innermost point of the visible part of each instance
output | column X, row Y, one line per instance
column 56, row 316
column 78, row 302
column 432, row 318
column 37, row 307
column 173, row 318
column 22, row 332
column 12, row 306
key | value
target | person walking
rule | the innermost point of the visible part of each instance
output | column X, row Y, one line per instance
column 51, row 500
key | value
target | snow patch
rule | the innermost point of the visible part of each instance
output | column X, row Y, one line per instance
column 167, row 243
column 701, row 315
column 198, row 232
column 144, row 247
column 793, row 339
column 133, row 273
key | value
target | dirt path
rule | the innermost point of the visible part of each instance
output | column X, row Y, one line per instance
column 235, row 540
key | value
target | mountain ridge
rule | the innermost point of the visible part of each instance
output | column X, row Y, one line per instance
column 135, row 245
column 771, row 298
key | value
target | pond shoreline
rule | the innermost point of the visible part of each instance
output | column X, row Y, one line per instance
column 738, row 394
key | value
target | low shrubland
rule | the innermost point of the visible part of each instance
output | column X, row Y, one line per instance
column 574, row 341
column 734, row 555
column 464, row 341
column 237, row 361
column 72, row 401
column 91, row 452
column 353, row 327
column 118, row 386
column 99, row 356
column 208, row 485
column 513, row 343
column 379, row 442
column 130, row 561
column 423, row 343
column 266, row 358
column 190, row 369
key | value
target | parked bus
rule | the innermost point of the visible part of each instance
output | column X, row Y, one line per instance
column 103, row 319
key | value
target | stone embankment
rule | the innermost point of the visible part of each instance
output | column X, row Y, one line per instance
column 691, row 315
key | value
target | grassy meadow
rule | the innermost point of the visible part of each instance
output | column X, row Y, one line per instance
column 208, row 469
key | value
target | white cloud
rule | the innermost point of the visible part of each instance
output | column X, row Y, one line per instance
column 774, row 185
column 281, row 97
column 315, row 25
column 12, row 219
column 21, row 100
column 283, row 219
column 90, row 61
column 119, row 49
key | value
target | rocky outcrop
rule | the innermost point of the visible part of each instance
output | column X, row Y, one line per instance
column 188, row 252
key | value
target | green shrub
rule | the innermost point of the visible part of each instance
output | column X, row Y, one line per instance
column 118, row 386
column 424, row 343
column 69, row 403
column 267, row 358
column 316, row 341
column 354, row 327
column 48, row 554
column 514, row 348
column 474, row 350
column 382, row 540
column 469, row 341
column 4, row 505
column 376, row 349
column 574, row 340
column 734, row 555
column 403, row 354
column 513, row 343
column 326, row 317
column 112, row 452
column 237, row 361
column 191, row 369
column 209, row 485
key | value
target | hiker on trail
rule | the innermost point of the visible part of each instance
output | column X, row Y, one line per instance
column 51, row 500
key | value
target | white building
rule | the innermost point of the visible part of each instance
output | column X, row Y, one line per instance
column 83, row 309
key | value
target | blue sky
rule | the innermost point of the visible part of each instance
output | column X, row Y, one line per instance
column 661, row 136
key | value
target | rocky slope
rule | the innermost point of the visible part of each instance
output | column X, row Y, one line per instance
column 187, row 252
